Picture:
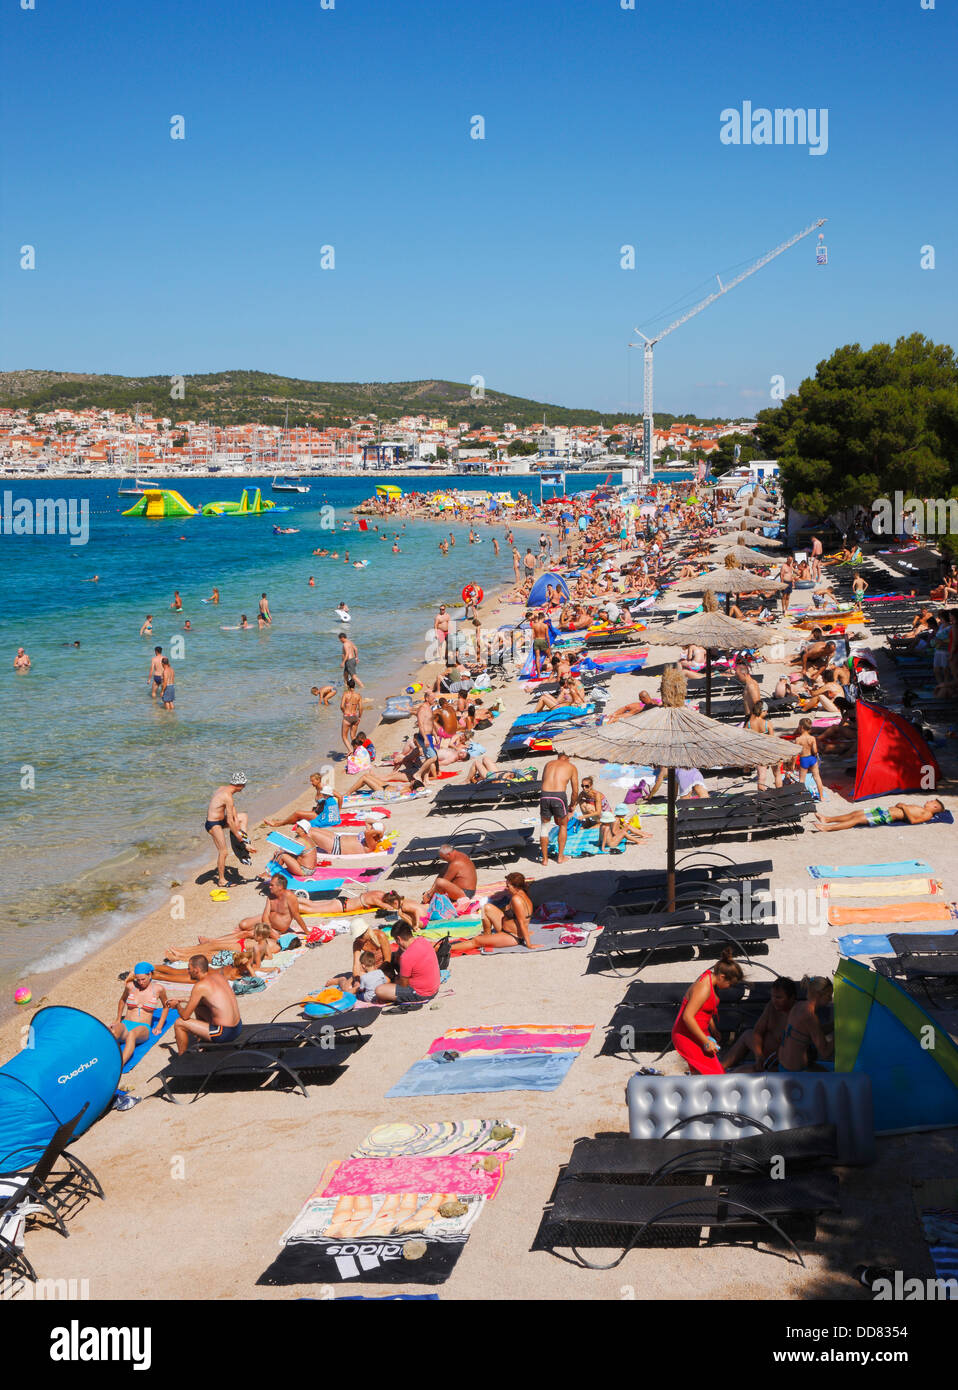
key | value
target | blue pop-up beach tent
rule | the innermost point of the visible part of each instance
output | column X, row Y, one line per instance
column 539, row 593
column 70, row 1059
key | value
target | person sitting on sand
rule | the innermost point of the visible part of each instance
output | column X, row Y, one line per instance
column 761, row 1043
column 569, row 692
column 281, row 916
column 134, row 1015
column 327, row 807
column 902, row 811
column 417, row 966
column 695, row 1032
column 317, row 840
column 614, row 828
column 372, row 972
column 591, row 803
column 457, row 881
column 506, row 922
column 803, row 1028
column 211, row 1012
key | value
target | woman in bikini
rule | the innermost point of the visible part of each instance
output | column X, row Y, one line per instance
column 804, row 1029
column 134, row 1016
column 509, row 925
column 694, row 1032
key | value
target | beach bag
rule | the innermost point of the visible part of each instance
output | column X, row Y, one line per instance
column 637, row 793
column 248, row 985
column 320, row 936
column 329, row 815
column 358, row 761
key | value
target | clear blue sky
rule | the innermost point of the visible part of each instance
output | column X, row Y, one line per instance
column 455, row 256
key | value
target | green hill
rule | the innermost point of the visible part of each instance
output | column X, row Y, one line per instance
column 226, row 398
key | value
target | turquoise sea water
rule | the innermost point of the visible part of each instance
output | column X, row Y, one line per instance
column 121, row 786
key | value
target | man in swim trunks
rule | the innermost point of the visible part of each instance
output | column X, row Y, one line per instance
column 155, row 673
column 441, row 629
column 540, row 643
column 134, row 1016
column 222, row 817
column 350, row 657
column 458, row 880
column 351, row 706
column 177, row 604
column 212, row 1001
column 167, row 684
column 264, row 616
column 902, row 811
column 529, row 563
column 558, row 777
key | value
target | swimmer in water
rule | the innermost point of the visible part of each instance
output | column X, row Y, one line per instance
column 187, row 626
column 244, row 622
column 177, row 604
column 147, row 629
column 345, row 557
column 324, row 692
column 214, row 597
column 396, row 550
column 21, row 662
column 495, row 545
column 312, row 582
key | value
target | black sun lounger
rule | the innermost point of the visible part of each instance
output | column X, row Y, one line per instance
column 250, row 1063
column 712, row 873
column 275, row 1037
column 634, row 1025
column 703, row 937
column 482, row 847
column 472, row 796
column 614, row 1157
column 712, row 896
column 516, row 746
column 723, row 825
column 611, row 1214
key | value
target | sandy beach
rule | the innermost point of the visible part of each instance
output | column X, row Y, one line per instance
column 221, row 1179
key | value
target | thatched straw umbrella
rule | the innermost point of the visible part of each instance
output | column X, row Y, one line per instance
column 728, row 580
column 673, row 736
column 746, row 538
column 744, row 555
column 713, row 630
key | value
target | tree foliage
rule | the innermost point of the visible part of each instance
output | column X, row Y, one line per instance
column 869, row 423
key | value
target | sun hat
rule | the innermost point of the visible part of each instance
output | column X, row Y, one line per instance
column 606, row 818
column 379, row 827
column 621, row 809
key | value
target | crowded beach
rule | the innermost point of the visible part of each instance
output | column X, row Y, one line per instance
column 649, row 859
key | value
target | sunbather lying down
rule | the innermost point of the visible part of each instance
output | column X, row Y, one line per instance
column 882, row 815
column 372, row 900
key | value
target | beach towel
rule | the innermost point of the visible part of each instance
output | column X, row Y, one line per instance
column 936, row 1200
column 478, row 1174
column 441, row 1138
column 143, row 1048
column 891, row 912
column 581, row 841
column 520, row 1038
column 879, row 888
column 366, row 1245
column 555, row 716
column 876, row 944
column 475, row 1073
column 892, row 869
column 545, row 936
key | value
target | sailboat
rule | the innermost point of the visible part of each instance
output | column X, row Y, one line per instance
column 289, row 485
column 137, row 489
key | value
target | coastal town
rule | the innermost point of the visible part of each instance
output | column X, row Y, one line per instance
column 109, row 443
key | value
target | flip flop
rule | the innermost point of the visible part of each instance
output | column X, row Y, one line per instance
column 219, row 895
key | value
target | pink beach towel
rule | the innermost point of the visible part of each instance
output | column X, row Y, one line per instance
column 364, row 1177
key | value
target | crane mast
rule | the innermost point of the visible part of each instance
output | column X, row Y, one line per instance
column 648, row 421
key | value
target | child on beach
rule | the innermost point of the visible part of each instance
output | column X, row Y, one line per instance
column 324, row 693
column 807, row 756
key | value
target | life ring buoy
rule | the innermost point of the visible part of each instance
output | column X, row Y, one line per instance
column 472, row 594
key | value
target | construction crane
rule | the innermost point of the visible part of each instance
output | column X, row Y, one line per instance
column 649, row 343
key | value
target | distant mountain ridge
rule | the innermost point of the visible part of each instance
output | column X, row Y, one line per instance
column 235, row 397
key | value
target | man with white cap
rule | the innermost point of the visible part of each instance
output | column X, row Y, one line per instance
column 222, row 817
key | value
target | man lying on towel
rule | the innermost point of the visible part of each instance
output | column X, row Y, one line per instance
column 882, row 815
column 211, row 1012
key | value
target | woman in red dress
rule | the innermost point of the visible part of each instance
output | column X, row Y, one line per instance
column 694, row 1034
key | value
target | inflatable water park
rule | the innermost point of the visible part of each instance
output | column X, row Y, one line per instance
column 159, row 503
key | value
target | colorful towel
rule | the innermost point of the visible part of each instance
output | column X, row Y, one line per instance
column 475, row 1073
column 880, row 888
column 143, row 1048
column 892, row 912
column 441, row 1138
column 514, row 1038
column 875, row 945
column 479, row 1175
column 889, row 870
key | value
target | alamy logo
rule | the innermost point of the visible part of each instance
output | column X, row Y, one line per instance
column 76, row 1343
column 84, row 1066
column 46, row 516
column 781, row 126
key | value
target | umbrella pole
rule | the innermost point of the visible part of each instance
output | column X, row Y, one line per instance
column 670, row 852
column 708, row 681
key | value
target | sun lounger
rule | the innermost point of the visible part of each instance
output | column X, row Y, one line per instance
column 712, row 873
column 249, row 1064
column 620, row 1156
column 34, row 1188
column 472, row 796
column 711, row 896
column 707, row 937
column 728, row 824
column 610, row 1214
column 526, row 746
column 276, row 1036
column 925, row 955
column 483, row 847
